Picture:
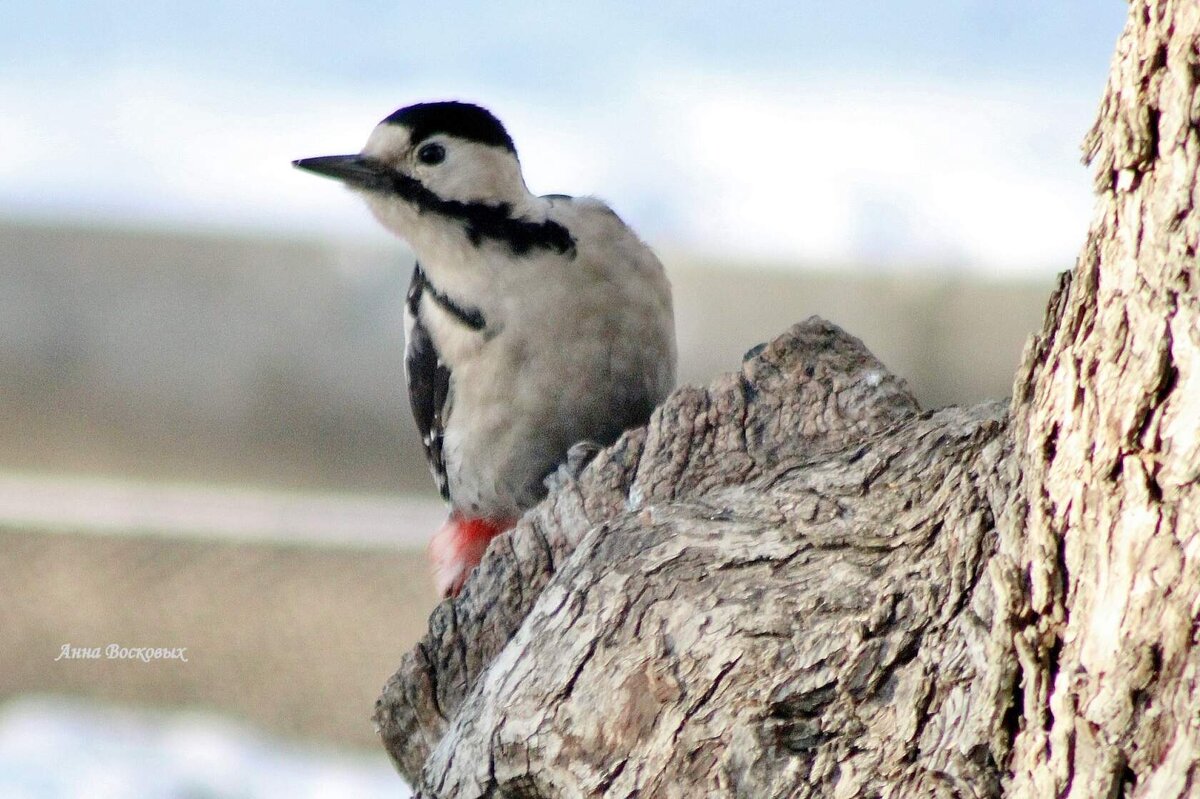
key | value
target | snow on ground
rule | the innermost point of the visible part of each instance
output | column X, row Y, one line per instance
column 57, row 747
column 116, row 506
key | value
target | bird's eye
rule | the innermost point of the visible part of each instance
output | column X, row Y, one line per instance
column 431, row 153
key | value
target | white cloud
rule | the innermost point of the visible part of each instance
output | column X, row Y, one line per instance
column 879, row 171
column 856, row 170
column 165, row 148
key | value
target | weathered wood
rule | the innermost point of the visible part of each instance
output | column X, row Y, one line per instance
column 811, row 392
column 822, row 630
column 1106, row 417
column 793, row 583
column 781, row 579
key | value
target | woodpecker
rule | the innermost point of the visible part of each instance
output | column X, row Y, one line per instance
column 533, row 323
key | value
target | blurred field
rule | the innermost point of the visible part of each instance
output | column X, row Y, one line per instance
column 280, row 363
column 240, row 363
column 296, row 639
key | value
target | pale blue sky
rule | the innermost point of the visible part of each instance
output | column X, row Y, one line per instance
column 938, row 132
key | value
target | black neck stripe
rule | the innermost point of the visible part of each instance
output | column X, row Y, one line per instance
column 486, row 221
column 470, row 317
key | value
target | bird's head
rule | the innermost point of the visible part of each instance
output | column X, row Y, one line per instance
column 430, row 160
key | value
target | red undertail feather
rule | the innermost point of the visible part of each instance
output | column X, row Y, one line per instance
column 458, row 547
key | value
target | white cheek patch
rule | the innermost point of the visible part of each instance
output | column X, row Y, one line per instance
column 474, row 173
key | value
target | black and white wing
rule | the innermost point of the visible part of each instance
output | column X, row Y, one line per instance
column 428, row 382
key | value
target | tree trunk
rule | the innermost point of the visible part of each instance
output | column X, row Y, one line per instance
column 794, row 583
column 1106, row 424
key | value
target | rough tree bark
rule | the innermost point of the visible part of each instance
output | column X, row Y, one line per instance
column 1106, row 424
column 795, row 583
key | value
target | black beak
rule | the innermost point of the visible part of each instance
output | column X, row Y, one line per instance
column 353, row 170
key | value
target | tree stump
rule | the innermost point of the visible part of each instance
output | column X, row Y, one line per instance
column 796, row 583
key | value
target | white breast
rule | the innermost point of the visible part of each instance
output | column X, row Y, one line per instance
column 571, row 347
